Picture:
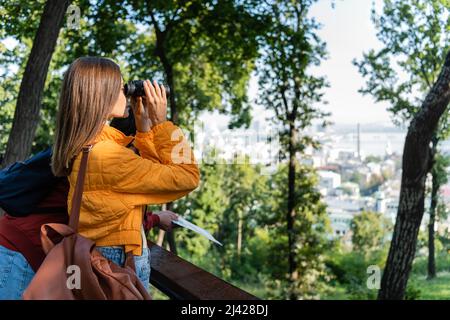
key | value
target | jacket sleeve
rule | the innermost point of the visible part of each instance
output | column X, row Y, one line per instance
column 144, row 142
column 165, row 171
column 164, row 143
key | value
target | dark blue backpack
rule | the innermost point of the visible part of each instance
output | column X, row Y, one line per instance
column 24, row 184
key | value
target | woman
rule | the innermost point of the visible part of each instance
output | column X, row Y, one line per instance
column 118, row 182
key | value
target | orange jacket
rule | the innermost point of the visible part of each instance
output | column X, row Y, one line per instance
column 119, row 182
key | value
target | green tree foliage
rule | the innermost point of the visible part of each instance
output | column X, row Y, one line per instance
column 207, row 51
column 369, row 231
column 349, row 270
column 407, row 65
column 230, row 193
column 227, row 203
column 206, row 76
column 402, row 73
column 442, row 162
column 18, row 23
column 312, row 227
column 287, row 87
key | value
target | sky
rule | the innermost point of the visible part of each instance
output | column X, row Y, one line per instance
column 348, row 32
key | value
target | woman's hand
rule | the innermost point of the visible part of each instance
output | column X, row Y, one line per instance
column 165, row 219
column 141, row 118
column 155, row 102
column 151, row 109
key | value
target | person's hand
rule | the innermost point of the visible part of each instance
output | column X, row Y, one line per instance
column 165, row 219
column 155, row 102
column 141, row 117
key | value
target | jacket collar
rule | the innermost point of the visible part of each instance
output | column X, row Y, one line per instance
column 111, row 133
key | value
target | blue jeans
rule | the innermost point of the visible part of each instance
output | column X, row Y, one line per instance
column 142, row 263
column 15, row 274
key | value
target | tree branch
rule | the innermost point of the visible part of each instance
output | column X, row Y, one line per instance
column 435, row 102
column 152, row 16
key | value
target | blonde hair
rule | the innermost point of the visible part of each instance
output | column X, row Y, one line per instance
column 89, row 90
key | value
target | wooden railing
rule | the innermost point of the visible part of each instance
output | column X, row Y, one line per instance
column 181, row 280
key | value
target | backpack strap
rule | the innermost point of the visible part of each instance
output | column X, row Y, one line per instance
column 76, row 202
column 76, row 199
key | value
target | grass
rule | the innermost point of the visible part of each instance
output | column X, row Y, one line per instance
column 435, row 289
column 337, row 293
column 258, row 290
column 157, row 295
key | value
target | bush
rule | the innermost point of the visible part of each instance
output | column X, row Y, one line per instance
column 350, row 271
column 420, row 266
column 412, row 291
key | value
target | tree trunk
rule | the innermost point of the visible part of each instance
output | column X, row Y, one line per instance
column 170, row 236
column 160, row 239
column 168, row 69
column 171, row 241
column 431, row 249
column 434, row 194
column 290, row 217
column 239, row 236
column 161, row 53
column 26, row 115
column 416, row 165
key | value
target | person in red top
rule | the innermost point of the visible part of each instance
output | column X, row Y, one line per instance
column 22, row 234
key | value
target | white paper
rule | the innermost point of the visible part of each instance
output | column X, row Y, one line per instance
column 186, row 224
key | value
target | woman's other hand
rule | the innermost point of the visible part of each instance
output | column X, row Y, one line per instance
column 155, row 101
column 165, row 219
column 141, row 116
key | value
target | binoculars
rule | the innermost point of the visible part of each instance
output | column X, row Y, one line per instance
column 135, row 88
